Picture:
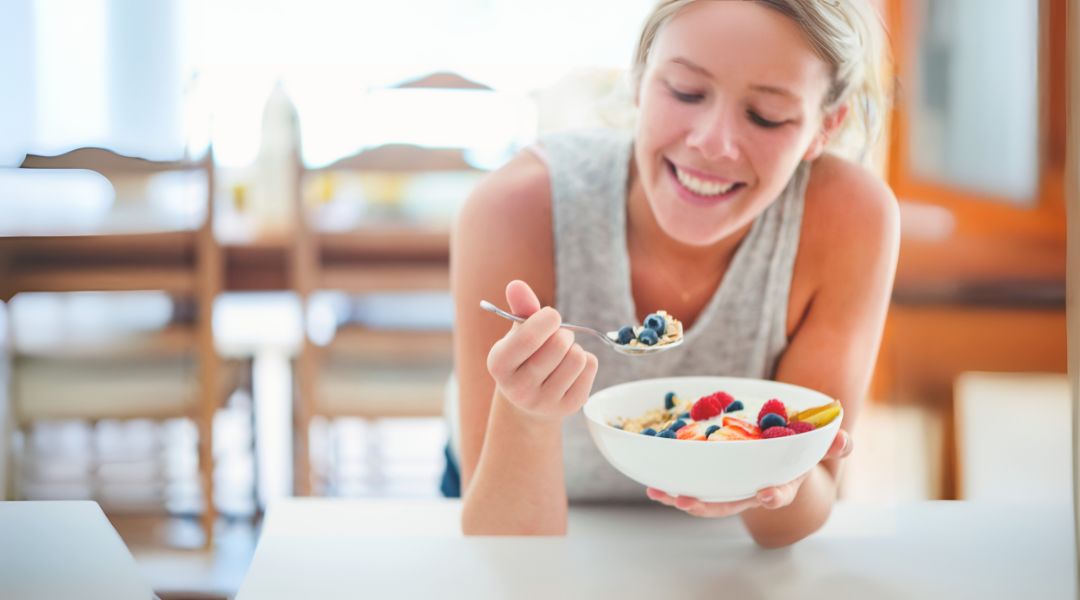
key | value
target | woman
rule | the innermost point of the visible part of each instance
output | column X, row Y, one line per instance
column 722, row 208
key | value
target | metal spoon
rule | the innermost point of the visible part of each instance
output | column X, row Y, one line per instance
column 609, row 338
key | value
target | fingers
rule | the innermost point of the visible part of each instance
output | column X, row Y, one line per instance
column 562, row 374
column 554, row 352
column 779, row 496
column 521, row 298
column 575, row 396
column 841, row 446
column 697, row 508
column 508, row 354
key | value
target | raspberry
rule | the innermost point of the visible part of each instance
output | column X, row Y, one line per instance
column 723, row 397
column 775, row 432
column 773, row 406
column 800, row 426
column 706, row 407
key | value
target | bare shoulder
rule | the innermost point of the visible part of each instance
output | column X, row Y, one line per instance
column 849, row 212
column 504, row 229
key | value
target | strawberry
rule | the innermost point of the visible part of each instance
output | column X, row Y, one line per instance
column 690, row 432
column 731, row 433
column 746, row 427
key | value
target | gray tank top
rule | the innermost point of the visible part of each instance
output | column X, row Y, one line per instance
column 741, row 332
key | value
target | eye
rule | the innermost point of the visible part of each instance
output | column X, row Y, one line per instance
column 762, row 121
column 687, row 97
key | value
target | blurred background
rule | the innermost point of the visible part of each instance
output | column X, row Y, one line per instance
column 224, row 246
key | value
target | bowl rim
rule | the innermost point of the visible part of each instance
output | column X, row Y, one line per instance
column 786, row 439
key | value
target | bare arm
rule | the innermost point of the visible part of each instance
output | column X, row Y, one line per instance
column 515, row 384
column 852, row 242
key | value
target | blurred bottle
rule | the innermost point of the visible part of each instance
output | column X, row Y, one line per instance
column 277, row 165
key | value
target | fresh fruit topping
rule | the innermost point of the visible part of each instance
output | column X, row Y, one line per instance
column 711, row 429
column 734, row 406
column 725, row 399
column 771, row 420
column 800, row 426
column 625, row 335
column 706, row 407
column 656, row 323
column 690, row 432
column 669, row 400
column 686, row 415
column 819, row 416
column 649, row 431
column 667, row 433
column 775, row 432
column 677, row 425
column 746, row 426
column 732, row 434
column 648, row 337
column 772, row 406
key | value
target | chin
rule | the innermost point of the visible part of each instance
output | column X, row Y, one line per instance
column 693, row 230
column 695, row 226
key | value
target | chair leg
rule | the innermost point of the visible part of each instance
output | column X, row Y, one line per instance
column 209, row 400
column 302, row 414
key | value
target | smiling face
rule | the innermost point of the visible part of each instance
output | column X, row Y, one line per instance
column 730, row 102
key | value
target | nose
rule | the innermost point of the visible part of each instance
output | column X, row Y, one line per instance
column 714, row 134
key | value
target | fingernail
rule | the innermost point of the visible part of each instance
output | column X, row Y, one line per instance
column 767, row 497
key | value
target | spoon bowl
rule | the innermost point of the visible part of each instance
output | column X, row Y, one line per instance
column 638, row 350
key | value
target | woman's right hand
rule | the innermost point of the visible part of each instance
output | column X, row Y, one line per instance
column 537, row 366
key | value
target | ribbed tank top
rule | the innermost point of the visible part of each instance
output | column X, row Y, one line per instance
column 741, row 332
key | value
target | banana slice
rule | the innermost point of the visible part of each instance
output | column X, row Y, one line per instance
column 820, row 416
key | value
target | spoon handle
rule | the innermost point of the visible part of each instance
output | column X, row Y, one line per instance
column 484, row 304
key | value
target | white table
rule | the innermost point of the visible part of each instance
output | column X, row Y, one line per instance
column 378, row 549
column 59, row 550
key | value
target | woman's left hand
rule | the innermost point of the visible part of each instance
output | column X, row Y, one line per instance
column 770, row 497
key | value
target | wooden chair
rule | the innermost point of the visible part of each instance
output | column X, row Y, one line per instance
column 185, row 264
column 366, row 370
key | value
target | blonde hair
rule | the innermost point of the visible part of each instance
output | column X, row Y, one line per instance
column 846, row 34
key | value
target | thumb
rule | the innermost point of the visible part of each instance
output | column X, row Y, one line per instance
column 841, row 446
column 522, row 300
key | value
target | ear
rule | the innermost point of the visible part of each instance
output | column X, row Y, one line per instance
column 829, row 126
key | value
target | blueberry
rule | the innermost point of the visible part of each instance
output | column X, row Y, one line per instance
column 772, row 420
column 685, row 415
column 734, row 406
column 649, row 431
column 669, row 400
column 656, row 323
column 677, row 425
column 667, row 433
column 626, row 334
column 648, row 337
column 710, row 430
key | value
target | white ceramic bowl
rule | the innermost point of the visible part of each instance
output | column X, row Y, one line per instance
column 710, row 471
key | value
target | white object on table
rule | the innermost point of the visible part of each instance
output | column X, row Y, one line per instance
column 413, row 549
column 53, row 550
column 1032, row 459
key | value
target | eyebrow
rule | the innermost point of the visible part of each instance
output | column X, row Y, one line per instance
column 765, row 89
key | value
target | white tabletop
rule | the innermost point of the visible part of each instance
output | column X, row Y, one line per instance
column 357, row 549
column 54, row 550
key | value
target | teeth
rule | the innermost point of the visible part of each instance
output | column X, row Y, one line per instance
column 702, row 187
